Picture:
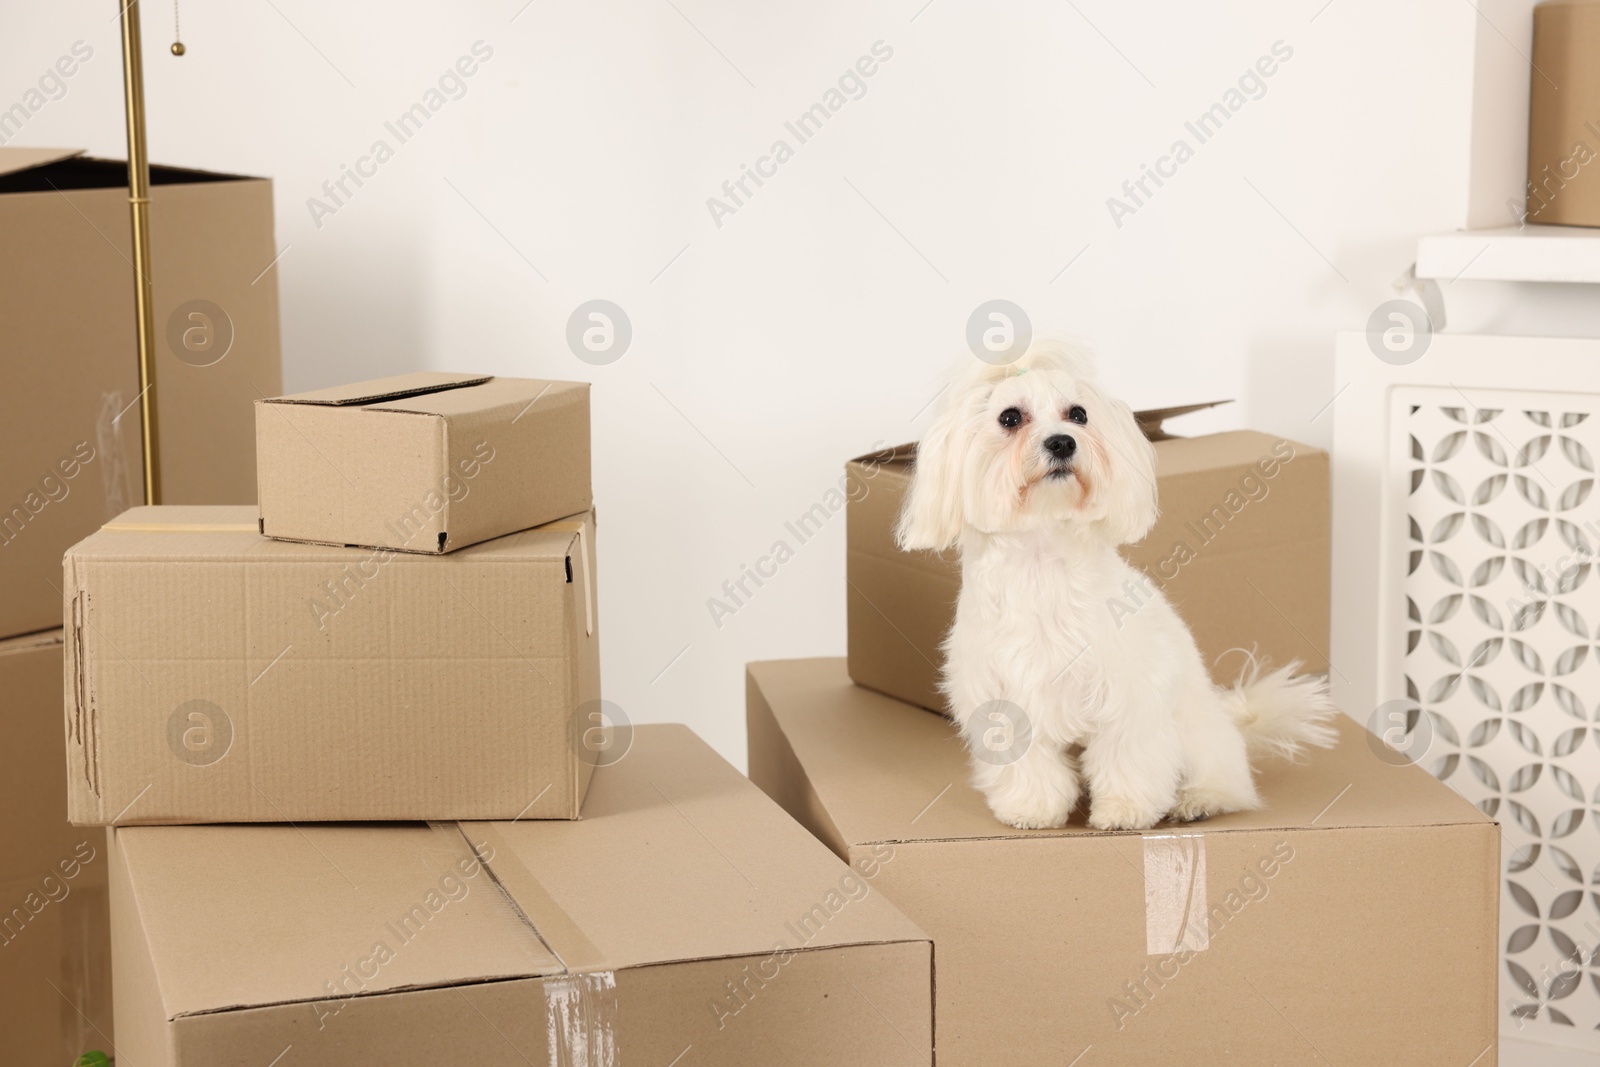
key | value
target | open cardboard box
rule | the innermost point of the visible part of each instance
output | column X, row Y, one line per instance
column 69, row 417
column 424, row 462
column 1352, row 920
column 685, row 920
column 1241, row 549
column 215, row 675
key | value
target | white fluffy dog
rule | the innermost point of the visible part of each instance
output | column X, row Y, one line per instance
column 1038, row 476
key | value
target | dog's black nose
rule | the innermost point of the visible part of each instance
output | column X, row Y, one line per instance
column 1061, row 445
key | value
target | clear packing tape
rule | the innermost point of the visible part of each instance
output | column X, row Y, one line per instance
column 581, row 1003
column 1175, row 904
column 581, row 1019
column 585, row 546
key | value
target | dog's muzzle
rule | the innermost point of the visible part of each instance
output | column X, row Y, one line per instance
column 1060, row 447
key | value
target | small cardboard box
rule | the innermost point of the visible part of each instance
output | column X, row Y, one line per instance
column 424, row 462
column 685, row 920
column 1241, row 550
column 1351, row 920
column 69, row 417
column 215, row 675
column 1564, row 115
column 55, row 926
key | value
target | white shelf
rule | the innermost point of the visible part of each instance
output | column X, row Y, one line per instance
column 1513, row 254
column 1521, row 1052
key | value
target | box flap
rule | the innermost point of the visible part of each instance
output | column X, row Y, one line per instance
column 28, row 642
column 13, row 160
column 403, row 385
column 679, row 857
column 888, row 771
column 1150, row 421
column 221, row 907
column 228, row 533
column 894, row 456
column 491, row 397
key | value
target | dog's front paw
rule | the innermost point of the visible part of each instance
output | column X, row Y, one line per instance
column 1030, row 797
column 1039, row 818
column 1113, row 813
column 1036, row 808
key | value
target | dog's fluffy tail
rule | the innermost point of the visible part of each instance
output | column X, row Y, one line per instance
column 1279, row 711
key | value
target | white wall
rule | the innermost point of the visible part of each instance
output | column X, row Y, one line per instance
column 810, row 324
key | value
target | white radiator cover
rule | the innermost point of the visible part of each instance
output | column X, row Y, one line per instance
column 1502, row 611
column 1467, row 480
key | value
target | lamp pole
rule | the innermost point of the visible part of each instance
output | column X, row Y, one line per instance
column 139, row 208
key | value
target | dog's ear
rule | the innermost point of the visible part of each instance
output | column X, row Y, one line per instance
column 1130, row 482
column 932, row 515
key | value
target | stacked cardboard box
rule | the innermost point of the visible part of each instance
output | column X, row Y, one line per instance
column 1352, row 919
column 685, row 919
column 70, row 434
column 55, row 929
column 1241, row 549
column 406, row 631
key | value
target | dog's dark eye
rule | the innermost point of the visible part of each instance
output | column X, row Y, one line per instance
column 1011, row 418
column 1078, row 415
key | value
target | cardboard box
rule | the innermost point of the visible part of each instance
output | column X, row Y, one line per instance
column 215, row 675
column 1352, row 920
column 686, row 919
column 71, row 437
column 1564, row 115
column 55, row 926
column 1241, row 550
column 424, row 462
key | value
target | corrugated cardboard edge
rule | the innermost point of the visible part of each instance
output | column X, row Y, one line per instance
column 11, row 646
column 444, row 381
column 85, row 805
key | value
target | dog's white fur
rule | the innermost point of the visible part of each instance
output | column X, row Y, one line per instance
column 1034, row 628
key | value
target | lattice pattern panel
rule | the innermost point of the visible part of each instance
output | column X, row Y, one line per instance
column 1503, row 658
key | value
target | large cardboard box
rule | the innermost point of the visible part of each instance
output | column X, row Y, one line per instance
column 685, row 920
column 55, row 928
column 69, row 417
column 424, row 462
column 1241, row 549
column 1352, row 920
column 215, row 675
column 1564, row 114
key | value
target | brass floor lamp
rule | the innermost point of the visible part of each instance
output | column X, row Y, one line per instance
column 139, row 208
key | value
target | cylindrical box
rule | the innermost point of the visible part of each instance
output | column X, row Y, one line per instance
column 1564, row 114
